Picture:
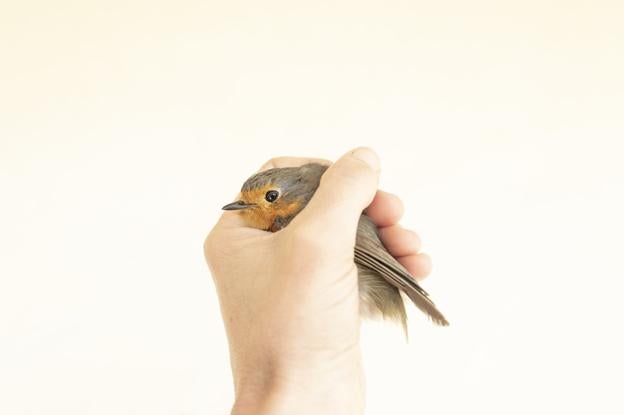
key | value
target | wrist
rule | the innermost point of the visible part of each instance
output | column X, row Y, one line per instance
column 334, row 386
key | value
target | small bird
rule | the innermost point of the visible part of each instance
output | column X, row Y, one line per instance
column 270, row 199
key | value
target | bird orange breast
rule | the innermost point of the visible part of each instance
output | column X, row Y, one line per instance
column 264, row 213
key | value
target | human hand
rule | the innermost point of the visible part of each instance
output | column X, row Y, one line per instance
column 289, row 299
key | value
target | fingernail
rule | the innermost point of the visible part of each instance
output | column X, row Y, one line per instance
column 368, row 156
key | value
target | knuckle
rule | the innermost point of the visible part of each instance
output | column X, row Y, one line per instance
column 354, row 171
column 416, row 240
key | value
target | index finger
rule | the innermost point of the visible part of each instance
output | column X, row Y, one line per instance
column 280, row 162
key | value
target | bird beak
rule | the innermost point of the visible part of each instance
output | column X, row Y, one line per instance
column 238, row 205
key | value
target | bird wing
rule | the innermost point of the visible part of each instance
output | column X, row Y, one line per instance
column 370, row 252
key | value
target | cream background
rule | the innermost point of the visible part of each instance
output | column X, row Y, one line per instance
column 126, row 125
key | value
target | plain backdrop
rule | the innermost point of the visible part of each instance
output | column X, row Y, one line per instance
column 126, row 125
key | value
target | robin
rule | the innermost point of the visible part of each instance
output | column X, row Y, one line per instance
column 270, row 199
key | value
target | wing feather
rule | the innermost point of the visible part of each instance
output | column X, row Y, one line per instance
column 370, row 252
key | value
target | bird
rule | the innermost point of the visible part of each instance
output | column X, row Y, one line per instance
column 270, row 199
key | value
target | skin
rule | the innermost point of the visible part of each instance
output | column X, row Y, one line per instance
column 289, row 300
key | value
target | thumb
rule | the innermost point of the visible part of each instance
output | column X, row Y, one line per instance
column 346, row 189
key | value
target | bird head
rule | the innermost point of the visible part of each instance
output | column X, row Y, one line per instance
column 270, row 199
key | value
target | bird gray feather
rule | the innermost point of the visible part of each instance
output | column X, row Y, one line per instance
column 370, row 253
column 380, row 275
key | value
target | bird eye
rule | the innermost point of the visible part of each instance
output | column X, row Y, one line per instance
column 271, row 196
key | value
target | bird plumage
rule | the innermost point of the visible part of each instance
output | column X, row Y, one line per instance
column 380, row 276
column 371, row 254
